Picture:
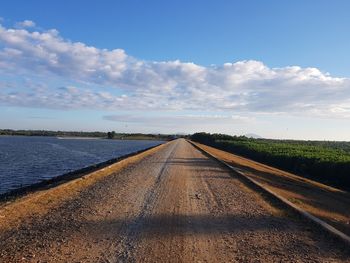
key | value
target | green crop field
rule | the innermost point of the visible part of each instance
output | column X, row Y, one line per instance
column 324, row 161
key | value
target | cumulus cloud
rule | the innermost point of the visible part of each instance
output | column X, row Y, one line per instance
column 25, row 23
column 243, row 86
column 66, row 98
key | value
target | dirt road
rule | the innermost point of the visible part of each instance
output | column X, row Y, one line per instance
column 175, row 205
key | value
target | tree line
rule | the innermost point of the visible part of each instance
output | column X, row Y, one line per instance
column 95, row 134
column 52, row 133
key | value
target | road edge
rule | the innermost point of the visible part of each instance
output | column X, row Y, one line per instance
column 315, row 220
column 70, row 176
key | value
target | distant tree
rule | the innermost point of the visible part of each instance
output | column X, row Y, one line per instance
column 203, row 137
column 111, row 135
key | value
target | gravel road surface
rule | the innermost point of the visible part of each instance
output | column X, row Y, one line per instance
column 175, row 205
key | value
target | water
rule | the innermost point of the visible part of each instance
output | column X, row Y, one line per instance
column 28, row 160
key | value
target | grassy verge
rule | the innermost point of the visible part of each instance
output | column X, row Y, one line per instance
column 326, row 162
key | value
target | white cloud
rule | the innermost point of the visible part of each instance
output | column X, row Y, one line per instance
column 240, row 87
column 169, row 119
column 187, row 123
column 25, row 23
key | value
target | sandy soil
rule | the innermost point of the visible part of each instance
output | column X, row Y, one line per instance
column 171, row 205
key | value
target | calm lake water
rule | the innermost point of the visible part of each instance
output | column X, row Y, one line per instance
column 28, row 160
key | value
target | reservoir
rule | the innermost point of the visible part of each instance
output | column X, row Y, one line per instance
column 28, row 160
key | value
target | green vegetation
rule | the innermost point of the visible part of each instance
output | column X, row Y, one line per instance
column 323, row 161
column 53, row 133
column 111, row 135
column 104, row 135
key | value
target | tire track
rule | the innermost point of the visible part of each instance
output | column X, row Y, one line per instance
column 132, row 229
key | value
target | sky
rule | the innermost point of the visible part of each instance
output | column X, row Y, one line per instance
column 279, row 69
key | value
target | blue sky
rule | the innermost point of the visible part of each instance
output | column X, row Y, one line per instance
column 276, row 68
column 312, row 33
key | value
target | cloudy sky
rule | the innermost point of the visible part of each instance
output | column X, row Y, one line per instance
column 280, row 70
